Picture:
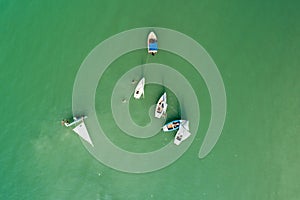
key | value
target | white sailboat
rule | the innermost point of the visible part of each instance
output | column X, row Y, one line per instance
column 80, row 129
column 139, row 90
column 183, row 132
column 161, row 106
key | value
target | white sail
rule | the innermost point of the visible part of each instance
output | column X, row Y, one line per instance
column 185, row 124
column 183, row 132
column 139, row 90
column 81, row 130
column 161, row 106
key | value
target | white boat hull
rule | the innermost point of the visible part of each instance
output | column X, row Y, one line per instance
column 183, row 132
column 161, row 106
column 139, row 90
column 76, row 120
column 171, row 126
column 151, row 38
column 180, row 137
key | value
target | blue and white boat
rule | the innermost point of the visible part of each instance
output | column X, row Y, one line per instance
column 171, row 126
column 152, row 43
column 183, row 130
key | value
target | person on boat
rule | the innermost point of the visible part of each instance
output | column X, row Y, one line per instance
column 179, row 137
column 159, row 109
column 176, row 124
column 65, row 122
column 153, row 53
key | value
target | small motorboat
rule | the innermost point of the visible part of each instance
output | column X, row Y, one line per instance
column 139, row 90
column 171, row 126
column 74, row 121
column 161, row 106
column 152, row 43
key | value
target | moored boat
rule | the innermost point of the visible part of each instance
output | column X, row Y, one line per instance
column 152, row 43
column 139, row 90
column 80, row 128
column 171, row 126
column 161, row 106
column 182, row 133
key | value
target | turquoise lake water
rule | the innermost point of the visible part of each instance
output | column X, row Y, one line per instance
column 255, row 45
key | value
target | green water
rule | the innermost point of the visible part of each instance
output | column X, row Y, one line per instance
column 255, row 45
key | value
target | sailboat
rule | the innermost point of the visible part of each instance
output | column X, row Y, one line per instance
column 152, row 43
column 183, row 130
column 139, row 90
column 80, row 128
column 161, row 106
